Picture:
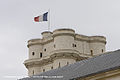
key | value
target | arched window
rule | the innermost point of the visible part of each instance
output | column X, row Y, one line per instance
column 52, row 67
column 45, row 49
column 33, row 72
column 102, row 50
column 59, row 65
column 54, row 46
column 75, row 45
column 43, row 70
column 40, row 55
column 33, row 53
column 67, row 63
column 91, row 52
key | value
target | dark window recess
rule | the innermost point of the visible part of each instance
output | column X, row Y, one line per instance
column 52, row 67
column 44, row 49
column 67, row 63
column 40, row 54
column 91, row 52
column 102, row 50
column 43, row 70
column 33, row 53
column 33, row 72
column 54, row 46
column 59, row 65
column 75, row 45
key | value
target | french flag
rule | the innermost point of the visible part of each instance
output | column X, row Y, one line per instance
column 41, row 18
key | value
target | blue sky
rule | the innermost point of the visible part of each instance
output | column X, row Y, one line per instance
column 87, row 17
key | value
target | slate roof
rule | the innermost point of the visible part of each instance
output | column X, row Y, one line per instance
column 84, row 68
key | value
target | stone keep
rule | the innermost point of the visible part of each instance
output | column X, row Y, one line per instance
column 60, row 48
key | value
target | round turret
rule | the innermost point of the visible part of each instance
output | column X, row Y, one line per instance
column 97, row 45
column 46, row 34
column 64, row 52
column 35, row 48
column 63, row 38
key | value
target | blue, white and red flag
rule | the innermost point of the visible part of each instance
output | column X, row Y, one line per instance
column 41, row 18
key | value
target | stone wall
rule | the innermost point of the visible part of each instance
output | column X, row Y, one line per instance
column 61, row 47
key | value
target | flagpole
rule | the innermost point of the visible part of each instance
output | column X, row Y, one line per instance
column 49, row 20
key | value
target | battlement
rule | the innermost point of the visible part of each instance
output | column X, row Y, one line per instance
column 60, row 32
column 48, row 36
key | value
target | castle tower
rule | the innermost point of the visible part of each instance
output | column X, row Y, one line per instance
column 61, row 47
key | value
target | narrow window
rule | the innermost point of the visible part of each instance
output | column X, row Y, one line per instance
column 59, row 65
column 33, row 53
column 52, row 67
column 75, row 45
column 33, row 72
column 44, row 49
column 54, row 46
column 102, row 50
column 91, row 52
column 43, row 70
column 67, row 63
column 40, row 55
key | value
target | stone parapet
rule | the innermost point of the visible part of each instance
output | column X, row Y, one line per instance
column 90, row 38
column 49, row 36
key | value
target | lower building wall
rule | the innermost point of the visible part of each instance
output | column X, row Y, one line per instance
column 33, row 70
column 47, row 67
column 38, row 69
column 62, row 62
column 110, row 75
column 113, row 77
